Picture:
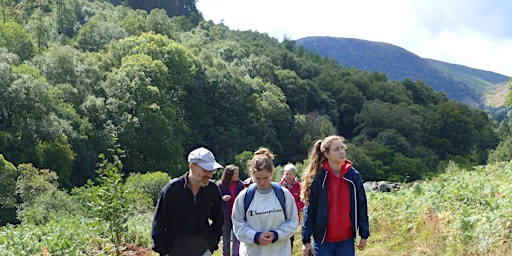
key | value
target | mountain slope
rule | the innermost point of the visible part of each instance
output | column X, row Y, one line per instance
column 458, row 82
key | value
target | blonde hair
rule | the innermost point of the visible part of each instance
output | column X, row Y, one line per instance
column 263, row 160
column 316, row 159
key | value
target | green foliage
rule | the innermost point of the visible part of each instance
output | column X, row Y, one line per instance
column 50, row 205
column 16, row 39
column 97, row 33
column 139, row 229
column 148, row 184
column 242, row 161
column 40, row 27
column 65, row 17
column 503, row 152
column 63, row 236
column 135, row 23
column 460, row 212
column 163, row 81
column 158, row 22
column 164, row 85
column 57, row 155
column 32, row 183
column 8, row 176
column 109, row 199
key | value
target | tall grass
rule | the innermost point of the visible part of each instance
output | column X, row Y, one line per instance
column 461, row 212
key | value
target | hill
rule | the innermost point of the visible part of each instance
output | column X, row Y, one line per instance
column 462, row 83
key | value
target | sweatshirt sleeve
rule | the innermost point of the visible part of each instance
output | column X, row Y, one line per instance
column 241, row 228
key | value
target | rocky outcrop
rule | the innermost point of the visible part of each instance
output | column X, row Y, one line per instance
column 382, row 186
column 388, row 186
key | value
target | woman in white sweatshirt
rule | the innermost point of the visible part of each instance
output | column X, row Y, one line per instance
column 265, row 228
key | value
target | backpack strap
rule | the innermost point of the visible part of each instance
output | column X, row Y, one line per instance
column 248, row 198
column 280, row 196
column 249, row 195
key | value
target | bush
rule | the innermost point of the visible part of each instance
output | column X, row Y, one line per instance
column 148, row 184
column 53, row 204
column 31, row 184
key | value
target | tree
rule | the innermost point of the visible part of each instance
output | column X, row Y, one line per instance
column 57, row 155
column 135, row 23
column 5, row 6
column 392, row 92
column 158, row 22
column 65, row 17
column 142, row 115
column 109, row 199
column 40, row 24
column 452, row 122
column 97, row 33
column 16, row 39
column 268, row 114
column 350, row 102
column 8, row 176
column 377, row 116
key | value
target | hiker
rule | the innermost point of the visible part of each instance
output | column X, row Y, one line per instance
column 230, row 186
column 291, row 182
column 336, row 205
column 248, row 181
column 189, row 216
column 264, row 215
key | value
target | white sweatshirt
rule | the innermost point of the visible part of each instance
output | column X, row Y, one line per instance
column 265, row 214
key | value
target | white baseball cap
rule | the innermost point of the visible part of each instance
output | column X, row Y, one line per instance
column 204, row 158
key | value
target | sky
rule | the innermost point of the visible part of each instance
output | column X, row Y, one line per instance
column 473, row 33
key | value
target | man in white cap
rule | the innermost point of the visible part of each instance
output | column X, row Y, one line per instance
column 189, row 215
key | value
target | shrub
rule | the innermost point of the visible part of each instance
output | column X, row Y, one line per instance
column 53, row 204
column 33, row 183
column 148, row 184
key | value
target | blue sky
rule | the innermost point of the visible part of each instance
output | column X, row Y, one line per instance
column 473, row 33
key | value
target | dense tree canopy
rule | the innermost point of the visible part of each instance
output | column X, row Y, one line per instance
column 164, row 81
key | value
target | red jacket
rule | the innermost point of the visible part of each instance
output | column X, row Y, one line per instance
column 295, row 190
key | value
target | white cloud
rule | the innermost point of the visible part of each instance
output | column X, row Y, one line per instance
column 474, row 33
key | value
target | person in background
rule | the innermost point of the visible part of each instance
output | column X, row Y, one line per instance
column 291, row 182
column 248, row 182
column 188, row 217
column 265, row 228
column 230, row 186
column 336, row 204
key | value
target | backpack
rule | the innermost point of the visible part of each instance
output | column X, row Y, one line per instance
column 250, row 195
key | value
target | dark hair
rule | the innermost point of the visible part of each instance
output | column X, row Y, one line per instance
column 263, row 160
column 228, row 173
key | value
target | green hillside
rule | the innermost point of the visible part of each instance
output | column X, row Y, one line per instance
column 459, row 82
